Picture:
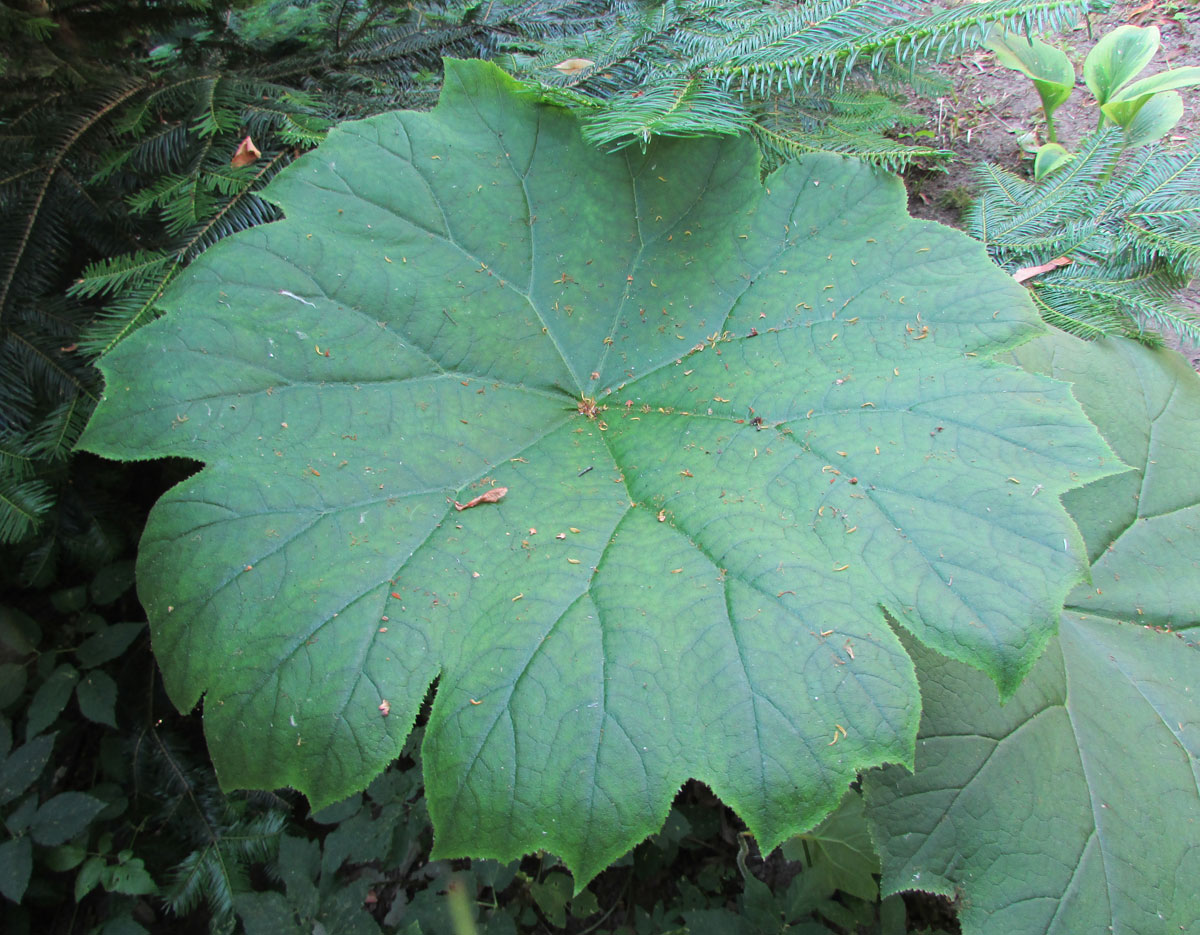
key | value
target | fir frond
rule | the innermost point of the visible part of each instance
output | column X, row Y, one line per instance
column 1088, row 322
column 54, row 437
column 13, row 253
column 821, row 42
column 1066, row 196
column 112, row 274
column 22, row 503
column 784, row 144
column 1126, row 219
column 1073, row 292
column 43, row 364
column 226, row 834
column 18, row 459
column 679, row 107
column 125, row 314
column 754, row 58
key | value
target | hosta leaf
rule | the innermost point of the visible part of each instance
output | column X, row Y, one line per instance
column 731, row 420
column 1117, row 58
column 1075, row 807
column 1048, row 67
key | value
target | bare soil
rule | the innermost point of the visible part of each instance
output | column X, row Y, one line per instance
column 992, row 108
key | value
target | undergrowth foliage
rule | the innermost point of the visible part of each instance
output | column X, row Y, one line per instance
column 115, row 823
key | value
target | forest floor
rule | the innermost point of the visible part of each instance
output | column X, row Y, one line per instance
column 992, row 108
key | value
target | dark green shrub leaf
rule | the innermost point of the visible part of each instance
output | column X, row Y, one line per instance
column 18, row 631
column 111, row 582
column 297, row 867
column 267, row 914
column 552, row 895
column 12, row 683
column 23, row 766
column 731, row 420
column 838, row 854
column 64, row 857
column 97, row 697
column 497, row 876
column 89, row 876
column 70, row 600
column 16, row 866
column 107, row 644
column 338, row 812
column 20, row 818
column 123, row 925
column 129, row 877
column 343, row 910
column 1074, row 807
column 584, row 905
column 62, row 817
column 50, row 699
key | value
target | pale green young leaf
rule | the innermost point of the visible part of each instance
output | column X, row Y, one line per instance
column 1117, row 58
column 1123, row 106
column 130, row 877
column 89, row 876
column 1155, row 119
column 1050, row 156
column 1048, row 67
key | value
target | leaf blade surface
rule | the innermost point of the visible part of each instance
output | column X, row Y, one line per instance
column 1075, row 806
column 731, row 421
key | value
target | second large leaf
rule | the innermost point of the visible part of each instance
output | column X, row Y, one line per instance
column 702, row 428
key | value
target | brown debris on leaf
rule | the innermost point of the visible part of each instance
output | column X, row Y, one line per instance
column 491, row 496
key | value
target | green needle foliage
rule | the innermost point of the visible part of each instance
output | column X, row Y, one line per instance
column 1129, row 221
column 221, row 835
column 812, row 77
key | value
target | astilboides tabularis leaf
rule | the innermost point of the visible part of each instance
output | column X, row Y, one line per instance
column 732, row 421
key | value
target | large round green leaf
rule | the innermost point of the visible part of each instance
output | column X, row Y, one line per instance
column 732, row 421
column 1076, row 806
